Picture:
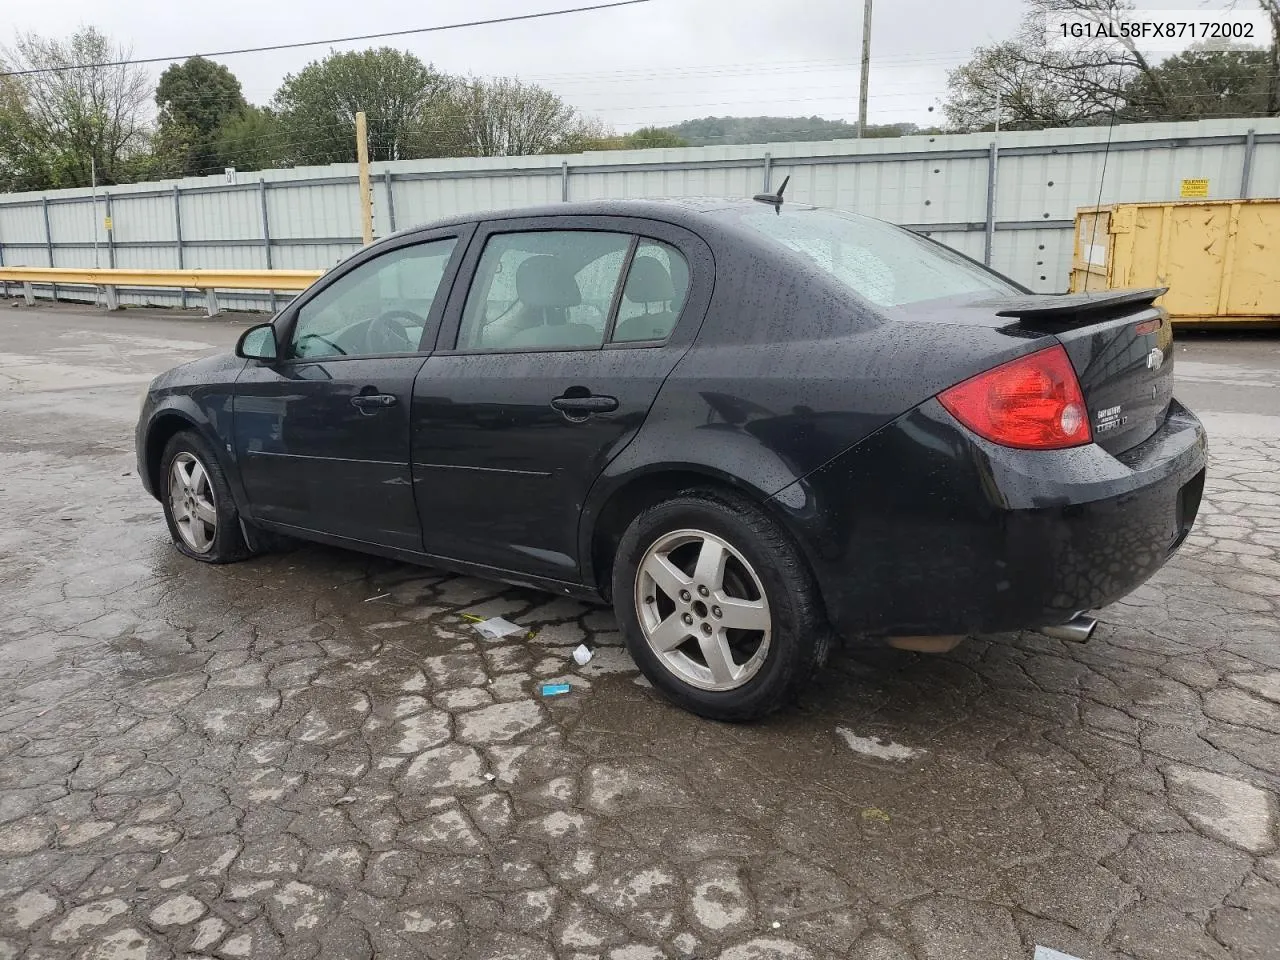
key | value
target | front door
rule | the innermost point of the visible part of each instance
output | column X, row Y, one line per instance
column 555, row 356
column 322, row 434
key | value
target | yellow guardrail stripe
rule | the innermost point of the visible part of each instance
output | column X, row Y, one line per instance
column 188, row 279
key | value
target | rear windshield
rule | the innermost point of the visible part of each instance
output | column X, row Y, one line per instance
column 885, row 264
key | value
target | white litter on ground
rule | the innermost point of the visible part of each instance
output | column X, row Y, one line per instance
column 495, row 628
column 582, row 655
column 874, row 748
column 1044, row 953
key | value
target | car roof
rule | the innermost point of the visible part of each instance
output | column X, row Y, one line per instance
column 689, row 212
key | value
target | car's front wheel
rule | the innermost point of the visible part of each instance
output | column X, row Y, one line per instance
column 717, row 606
column 198, row 506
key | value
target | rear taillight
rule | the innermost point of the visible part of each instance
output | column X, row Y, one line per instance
column 1033, row 403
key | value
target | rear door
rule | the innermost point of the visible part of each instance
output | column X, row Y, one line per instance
column 547, row 364
column 322, row 434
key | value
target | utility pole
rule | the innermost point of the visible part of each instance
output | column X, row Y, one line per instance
column 866, row 69
column 366, row 190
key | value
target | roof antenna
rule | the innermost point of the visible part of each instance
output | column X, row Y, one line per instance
column 774, row 199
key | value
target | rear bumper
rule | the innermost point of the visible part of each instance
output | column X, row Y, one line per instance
column 926, row 529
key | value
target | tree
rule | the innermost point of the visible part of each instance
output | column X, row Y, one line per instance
column 400, row 95
column 1030, row 90
column 254, row 139
column 716, row 131
column 592, row 134
column 23, row 165
column 1205, row 83
column 503, row 117
column 71, row 116
column 647, row 138
column 196, row 99
column 1038, row 84
column 1272, row 8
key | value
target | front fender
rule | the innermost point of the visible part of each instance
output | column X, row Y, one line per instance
column 205, row 409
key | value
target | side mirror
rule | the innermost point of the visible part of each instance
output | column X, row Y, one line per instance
column 257, row 343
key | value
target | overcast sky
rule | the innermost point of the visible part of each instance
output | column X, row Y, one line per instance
column 657, row 63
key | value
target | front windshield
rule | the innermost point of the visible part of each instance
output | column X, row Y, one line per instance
column 882, row 263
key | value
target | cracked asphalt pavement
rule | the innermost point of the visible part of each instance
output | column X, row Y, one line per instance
column 314, row 754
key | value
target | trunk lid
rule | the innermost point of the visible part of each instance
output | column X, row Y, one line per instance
column 1121, row 346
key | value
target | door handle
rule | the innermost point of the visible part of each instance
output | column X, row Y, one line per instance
column 582, row 407
column 371, row 403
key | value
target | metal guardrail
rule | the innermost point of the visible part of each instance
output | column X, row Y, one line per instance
column 110, row 281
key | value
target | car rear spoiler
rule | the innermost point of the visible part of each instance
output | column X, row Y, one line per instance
column 1074, row 308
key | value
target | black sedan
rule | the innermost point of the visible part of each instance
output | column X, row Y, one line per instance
column 751, row 426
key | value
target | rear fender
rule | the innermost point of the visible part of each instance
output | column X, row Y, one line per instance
column 632, row 481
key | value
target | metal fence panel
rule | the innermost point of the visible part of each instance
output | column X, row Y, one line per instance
column 72, row 223
column 146, row 219
column 147, row 258
column 431, row 199
column 22, row 227
column 1264, row 179
column 312, row 256
column 936, row 184
column 226, row 256
column 296, row 210
column 1030, row 256
column 222, row 215
column 970, row 243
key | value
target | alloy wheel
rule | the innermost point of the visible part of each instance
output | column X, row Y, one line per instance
column 703, row 610
column 191, row 500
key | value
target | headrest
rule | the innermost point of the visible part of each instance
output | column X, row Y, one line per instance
column 649, row 282
column 544, row 281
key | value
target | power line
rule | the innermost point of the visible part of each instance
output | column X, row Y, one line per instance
column 319, row 43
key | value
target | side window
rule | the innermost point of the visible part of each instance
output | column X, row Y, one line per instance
column 656, row 287
column 380, row 307
column 551, row 289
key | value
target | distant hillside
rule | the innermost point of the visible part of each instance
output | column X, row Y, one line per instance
column 713, row 131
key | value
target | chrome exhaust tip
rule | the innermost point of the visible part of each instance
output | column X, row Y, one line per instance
column 1076, row 630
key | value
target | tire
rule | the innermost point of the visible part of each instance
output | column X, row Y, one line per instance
column 186, row 510
column 761, row 568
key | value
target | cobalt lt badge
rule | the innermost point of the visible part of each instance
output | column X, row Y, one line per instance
column 1155, row 359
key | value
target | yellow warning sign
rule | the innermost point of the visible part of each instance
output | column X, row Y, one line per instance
column 1195, row 188
column 107, row 222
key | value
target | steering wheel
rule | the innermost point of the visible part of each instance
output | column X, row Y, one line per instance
column 325, row 340
column 386, row 332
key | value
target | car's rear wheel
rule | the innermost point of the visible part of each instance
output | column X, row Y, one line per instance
column 198, row 506
column 717, row 606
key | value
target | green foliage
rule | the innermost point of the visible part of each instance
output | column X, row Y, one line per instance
column 650, row 137
column 251, row 140
column 1033, row 89
column 199, row 94
column 1038, row 86
column 502, row 117
column 196, row 99
column 715, row 131
column 23, row 163
column 1205, row 83
column 401, row 96
column 56, row 127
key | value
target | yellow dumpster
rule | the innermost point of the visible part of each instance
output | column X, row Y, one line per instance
column 1220, row 259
